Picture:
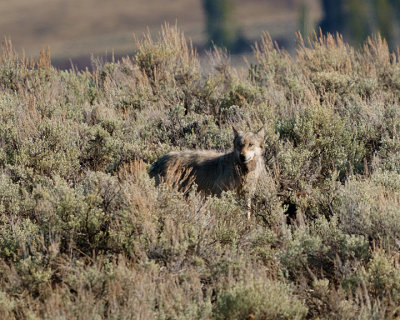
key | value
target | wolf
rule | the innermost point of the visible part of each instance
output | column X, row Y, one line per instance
column 214, row 172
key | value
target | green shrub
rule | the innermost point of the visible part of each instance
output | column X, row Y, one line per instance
column 369, row 207
column 258, row 299
column 85, row 233
column 323, row 246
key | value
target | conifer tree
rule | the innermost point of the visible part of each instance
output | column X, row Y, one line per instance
column 220, row 27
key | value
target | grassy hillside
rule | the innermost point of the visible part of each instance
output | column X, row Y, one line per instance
column 85, row 234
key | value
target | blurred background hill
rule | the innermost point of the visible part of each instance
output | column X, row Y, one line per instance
column 76, row 29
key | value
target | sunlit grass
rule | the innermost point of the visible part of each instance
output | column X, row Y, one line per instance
column 85, row 234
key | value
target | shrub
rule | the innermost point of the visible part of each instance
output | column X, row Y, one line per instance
column 85, row 233
column 369, row 207
column 258, row 299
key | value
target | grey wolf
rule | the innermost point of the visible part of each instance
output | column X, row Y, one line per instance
column 214, row 172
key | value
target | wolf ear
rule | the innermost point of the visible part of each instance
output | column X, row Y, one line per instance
column 261, row 133
column 261, row 136
column 235, row 131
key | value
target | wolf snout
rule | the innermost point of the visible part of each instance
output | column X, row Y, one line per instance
column 244, row 158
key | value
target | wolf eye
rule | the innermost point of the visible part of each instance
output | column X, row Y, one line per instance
column 251, row 144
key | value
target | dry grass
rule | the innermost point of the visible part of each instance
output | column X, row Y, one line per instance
column 84, row 232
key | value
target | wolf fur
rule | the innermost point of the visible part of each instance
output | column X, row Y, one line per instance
column 215, row 172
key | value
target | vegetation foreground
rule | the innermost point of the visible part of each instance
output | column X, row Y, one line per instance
column 85, row 234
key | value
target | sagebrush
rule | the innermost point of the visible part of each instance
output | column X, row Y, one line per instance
column 86, row 234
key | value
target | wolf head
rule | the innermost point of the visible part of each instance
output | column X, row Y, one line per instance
column 248, row 146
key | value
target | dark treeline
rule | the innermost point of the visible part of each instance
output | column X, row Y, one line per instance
column 354, row 19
